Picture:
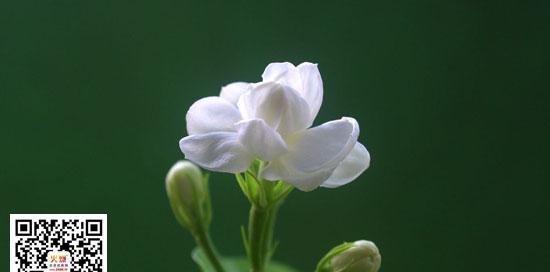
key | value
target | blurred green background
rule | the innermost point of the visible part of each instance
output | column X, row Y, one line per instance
column 451, row 96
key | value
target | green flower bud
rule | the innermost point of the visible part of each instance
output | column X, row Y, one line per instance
column 187, row 191
column 359, row 256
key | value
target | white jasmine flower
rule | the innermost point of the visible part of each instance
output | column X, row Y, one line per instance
column 271, row 121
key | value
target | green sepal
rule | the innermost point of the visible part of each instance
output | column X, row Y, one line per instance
column 261, row 192
column 324, row 263
column 245, row 240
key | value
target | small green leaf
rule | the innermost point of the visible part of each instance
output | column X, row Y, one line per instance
column 201, row 260
column 235, row 264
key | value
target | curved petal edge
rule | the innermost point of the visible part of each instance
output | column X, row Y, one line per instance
column 211, row 114
column 357, row 161
column 217, row 151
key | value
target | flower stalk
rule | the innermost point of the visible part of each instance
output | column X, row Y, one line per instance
column 202, row 238
column 265, row 198
column 261, row 226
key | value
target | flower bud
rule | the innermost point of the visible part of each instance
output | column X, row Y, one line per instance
column 187, row 191
column 362, row 256
column 359, row 256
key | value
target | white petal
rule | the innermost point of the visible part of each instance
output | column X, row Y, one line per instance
column 305, row 79
column 283, row 72
column 312, row 86
column 278, row 105
column 357, row 161
column 322, row 147
column 211, row 114
column 217, row 151
column 232, row 92
column 278, row 170
column 260, row 139
column 314, row 154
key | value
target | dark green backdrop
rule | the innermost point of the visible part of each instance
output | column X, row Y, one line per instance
column 450, row 96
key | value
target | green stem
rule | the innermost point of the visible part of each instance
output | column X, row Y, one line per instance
column 205, row 243
column 260, row 235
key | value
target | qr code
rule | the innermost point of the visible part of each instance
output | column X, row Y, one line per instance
column 58, row 242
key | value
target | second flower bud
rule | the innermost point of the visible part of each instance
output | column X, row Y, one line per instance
column 359, row 256
column 188, row 194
